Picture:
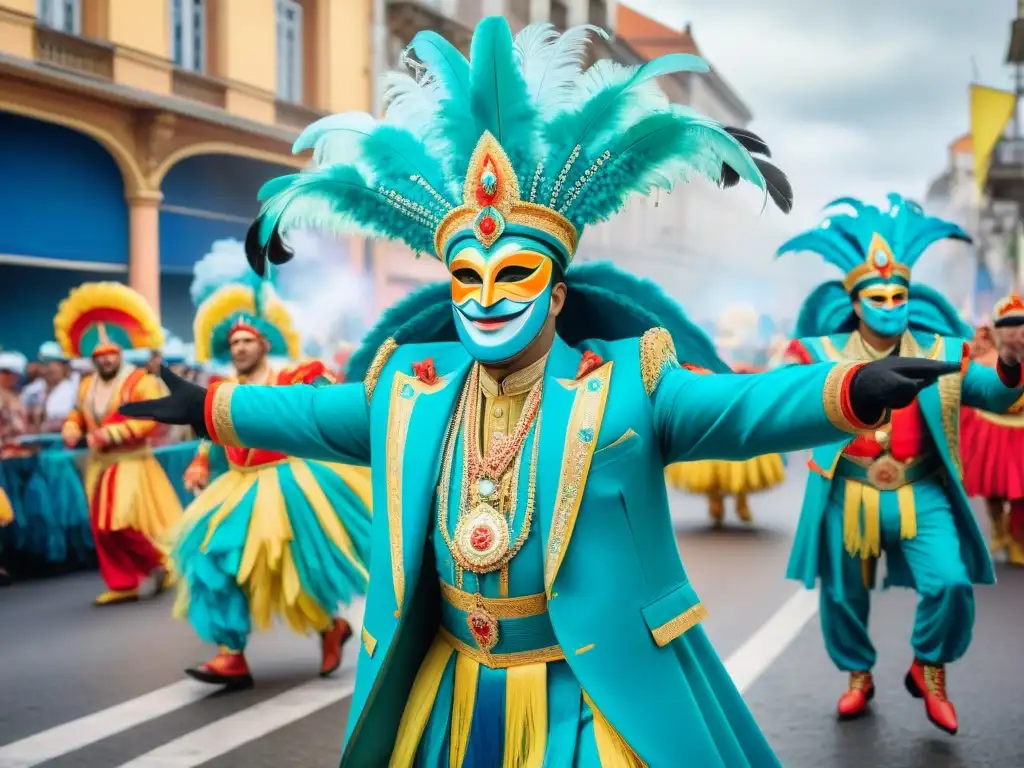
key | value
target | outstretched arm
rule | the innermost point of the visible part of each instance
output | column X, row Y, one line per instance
column 324, row 423
column 996, row 390
column 739, row 416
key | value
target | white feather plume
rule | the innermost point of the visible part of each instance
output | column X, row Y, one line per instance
column 551, row 62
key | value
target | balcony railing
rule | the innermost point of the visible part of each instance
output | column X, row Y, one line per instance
column 295, row 115
column 1009, row 152
column 74, row 53
column 192, row 85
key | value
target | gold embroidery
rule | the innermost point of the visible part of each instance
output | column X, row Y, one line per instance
column 949, row 397
column 503, row 660
column 369, row 642
column 580, row 441
column 657, row 354
column 405, row 390
column 1012, row 419
column 380, row 359
column 498, row 607
column 832, row 399
column 223, row 427
column 584, row 649
column 684, row 622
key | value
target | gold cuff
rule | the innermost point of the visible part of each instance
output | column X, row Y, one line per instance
column 833, row 395
column 222, row 428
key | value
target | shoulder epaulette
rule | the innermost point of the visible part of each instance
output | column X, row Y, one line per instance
column 657, row 354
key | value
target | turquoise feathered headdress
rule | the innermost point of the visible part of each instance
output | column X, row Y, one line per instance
column 873, row 245
column 517, row 137
column 228, row 297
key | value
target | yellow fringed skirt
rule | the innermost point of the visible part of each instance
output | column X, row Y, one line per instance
column 727, row 477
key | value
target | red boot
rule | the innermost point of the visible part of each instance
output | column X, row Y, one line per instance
column 331, row 643
column 227, row 668
column 854, row 702
column 928, row 682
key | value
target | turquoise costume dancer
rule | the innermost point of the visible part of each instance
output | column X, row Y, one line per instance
column 268, row 535
column 898, row 491
column 527, row 601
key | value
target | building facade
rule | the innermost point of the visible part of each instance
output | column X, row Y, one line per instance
column 134, row 134
column 973, row 277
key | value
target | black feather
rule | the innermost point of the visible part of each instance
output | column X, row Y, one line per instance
column 274, row 252
column 750, row 141
column 729, row 177
column 779, row 188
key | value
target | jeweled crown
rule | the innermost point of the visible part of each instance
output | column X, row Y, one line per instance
column 880, row 263
column 491, row 205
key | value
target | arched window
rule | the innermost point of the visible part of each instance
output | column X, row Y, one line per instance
column 62, row 15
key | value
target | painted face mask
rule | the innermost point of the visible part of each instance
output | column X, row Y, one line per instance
column 884, row 308
column 500, row 296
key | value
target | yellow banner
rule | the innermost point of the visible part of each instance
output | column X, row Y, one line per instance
column 991, row 110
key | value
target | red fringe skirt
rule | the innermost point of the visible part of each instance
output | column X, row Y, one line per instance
column 992, row 450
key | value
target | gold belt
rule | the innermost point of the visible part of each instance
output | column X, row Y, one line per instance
column 498, row 607
column 503, row 660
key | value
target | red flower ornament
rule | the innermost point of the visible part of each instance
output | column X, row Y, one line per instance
column 425, row 371
column 589, row 363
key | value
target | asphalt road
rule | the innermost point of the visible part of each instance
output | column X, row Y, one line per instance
column 102, row 688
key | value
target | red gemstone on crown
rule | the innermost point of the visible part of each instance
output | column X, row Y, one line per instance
column 488, row 225
column 481, row 538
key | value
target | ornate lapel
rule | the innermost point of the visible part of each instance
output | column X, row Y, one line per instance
column 571, row 414
column 419, row 411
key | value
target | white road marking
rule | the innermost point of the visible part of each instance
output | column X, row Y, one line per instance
column 218, row 738
column 76, row 734
column 87, row 730
column 761, row 650
column 229, row 733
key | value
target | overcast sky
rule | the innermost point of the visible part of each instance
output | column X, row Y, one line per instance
column 855, row 97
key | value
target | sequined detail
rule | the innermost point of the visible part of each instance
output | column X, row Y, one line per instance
column 657, row 354
column 584, row 422
column 832, row 397
column 380, row 359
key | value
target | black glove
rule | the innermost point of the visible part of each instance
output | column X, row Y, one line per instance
column 185, row 405
column 884, row 385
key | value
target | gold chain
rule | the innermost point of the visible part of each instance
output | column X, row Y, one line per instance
column 463, row 418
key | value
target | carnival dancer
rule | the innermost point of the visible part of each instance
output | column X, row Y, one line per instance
column 526, row 591
column 270, row 535
column 720, row 479
column 131, row 501
column 992, row 446
column 899, row 489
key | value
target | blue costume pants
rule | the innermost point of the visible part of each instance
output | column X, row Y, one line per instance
column 944, row 620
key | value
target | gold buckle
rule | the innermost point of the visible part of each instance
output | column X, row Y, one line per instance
column 887, row 474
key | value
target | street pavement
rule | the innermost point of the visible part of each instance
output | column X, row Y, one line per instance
column 103, row 688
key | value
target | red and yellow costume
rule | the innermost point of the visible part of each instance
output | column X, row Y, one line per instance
column 131, row 501
column 992, row 449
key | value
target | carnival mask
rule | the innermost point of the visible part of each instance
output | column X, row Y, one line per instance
column 884, row 308
column 500, row 296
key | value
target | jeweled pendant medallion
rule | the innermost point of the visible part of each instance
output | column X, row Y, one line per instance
column 481, row 539
column 484, row 629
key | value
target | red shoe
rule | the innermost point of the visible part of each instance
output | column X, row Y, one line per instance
column 854, row 703
column 928, row 682
column 227, row 668
column 331, row 643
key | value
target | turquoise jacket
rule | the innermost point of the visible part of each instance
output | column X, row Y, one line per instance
column 976, row 386
column 602, row 511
